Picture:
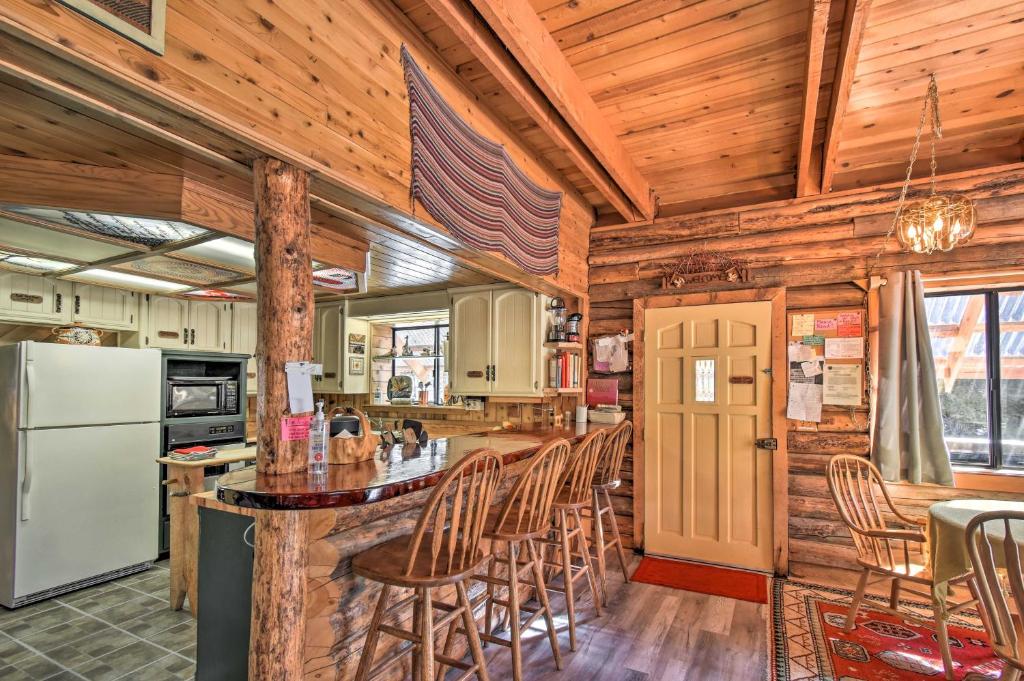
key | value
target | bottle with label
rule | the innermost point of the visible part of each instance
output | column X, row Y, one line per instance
column 318, row 441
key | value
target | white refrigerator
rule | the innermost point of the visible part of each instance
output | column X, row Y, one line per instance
column 79, row 434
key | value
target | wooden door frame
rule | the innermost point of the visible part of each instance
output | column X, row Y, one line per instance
column 779, row 366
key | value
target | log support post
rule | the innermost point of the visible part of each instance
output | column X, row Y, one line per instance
column 284, row 303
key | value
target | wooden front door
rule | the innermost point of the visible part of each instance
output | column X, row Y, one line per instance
column 707, row 398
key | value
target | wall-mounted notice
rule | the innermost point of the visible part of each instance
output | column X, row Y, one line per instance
column 844, row 348
column 798, row 352
column 848, row 324
column 825, row 324
column 842, row 384
column 295, row 428
column 803, row 325
column 805, row 391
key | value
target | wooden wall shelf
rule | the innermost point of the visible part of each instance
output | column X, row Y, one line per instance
column 578, row 347
column 563, row 391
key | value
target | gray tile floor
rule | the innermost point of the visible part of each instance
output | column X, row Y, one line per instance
column 118, row 630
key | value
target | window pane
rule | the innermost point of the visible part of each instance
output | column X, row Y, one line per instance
column 957, row 328
column 1011, row 366
column 704, row 372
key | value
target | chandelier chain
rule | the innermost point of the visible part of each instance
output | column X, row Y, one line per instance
column 931, row 101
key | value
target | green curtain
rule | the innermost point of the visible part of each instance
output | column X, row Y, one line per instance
column 908, row 442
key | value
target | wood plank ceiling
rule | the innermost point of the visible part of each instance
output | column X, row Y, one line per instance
column 707, row 96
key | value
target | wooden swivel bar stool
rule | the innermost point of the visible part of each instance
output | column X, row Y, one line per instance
column 606, row 478
column 523, row 518
column 443, row 551
column 575, row 495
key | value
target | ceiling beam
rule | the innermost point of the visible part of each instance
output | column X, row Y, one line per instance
column 466, row 24
column 854, row 21
column 520, row 29
column 808, row 176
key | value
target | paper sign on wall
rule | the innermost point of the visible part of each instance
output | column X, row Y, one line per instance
column 849, row 324
column 814, row 340
column 827, row 324
column 842, row 384
column 804, row 402
column 295, row 428
column 844, row 348
column 803, row 324
column 300, row 385
column 798, row 352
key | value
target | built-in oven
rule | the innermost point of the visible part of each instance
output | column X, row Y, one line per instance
column 201, row 396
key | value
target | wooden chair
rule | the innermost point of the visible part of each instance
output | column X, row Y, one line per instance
column 607, row 478
column 523, row 518
column 443, row 551
column 575, row 494
column 1002, row 622
column 856, row 484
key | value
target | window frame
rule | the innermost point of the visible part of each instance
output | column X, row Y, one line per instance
column 436, row 383
column 993, row 366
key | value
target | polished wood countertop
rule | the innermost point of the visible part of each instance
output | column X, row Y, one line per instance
column 394, row 471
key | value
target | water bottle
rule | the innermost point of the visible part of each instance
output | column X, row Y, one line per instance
column 318, row 441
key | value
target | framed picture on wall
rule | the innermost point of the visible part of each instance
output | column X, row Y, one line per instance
column 356, row 366
column 357, row 343
column 143, row 21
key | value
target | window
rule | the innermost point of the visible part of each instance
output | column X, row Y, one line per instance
column 426, row 362
column 978, row 344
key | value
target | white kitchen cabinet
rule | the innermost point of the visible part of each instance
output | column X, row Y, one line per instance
column 209, row 325
column 515, row 342
column 105, row 307
column 33, row 299
column 470, row 343
column 179, row 324
column 243, row 338
column 495, row 345
column 327, row 348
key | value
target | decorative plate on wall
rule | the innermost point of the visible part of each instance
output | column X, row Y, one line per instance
column 139, row 20
column 179, row 270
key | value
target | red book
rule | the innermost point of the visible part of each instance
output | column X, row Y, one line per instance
column 565, row 370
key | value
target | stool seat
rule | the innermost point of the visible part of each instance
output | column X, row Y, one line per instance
column 387, row 563
column 566, row 500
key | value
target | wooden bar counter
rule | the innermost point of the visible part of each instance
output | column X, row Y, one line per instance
column 353, row 508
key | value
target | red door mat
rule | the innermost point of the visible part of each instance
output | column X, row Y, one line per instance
column 704, row 579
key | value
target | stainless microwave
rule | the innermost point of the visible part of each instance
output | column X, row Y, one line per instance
column 201, row 396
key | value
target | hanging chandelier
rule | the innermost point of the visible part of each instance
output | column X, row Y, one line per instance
column 940, row 222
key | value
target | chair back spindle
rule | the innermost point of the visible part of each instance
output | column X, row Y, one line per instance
column 529, row 501
column 987, row 550
column 454, row 516
column 579, row 476
column 609, row 466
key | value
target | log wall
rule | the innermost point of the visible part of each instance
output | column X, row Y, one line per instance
column 822, row 250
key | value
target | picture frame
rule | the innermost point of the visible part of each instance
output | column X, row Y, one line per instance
column 356, row 366
column 357, row 343
column 141, row 21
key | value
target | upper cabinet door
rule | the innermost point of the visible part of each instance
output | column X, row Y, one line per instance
column 243, row 338
column 209, row 325
column 105, row 307
column 33, row 299
column 515, row 338
column 168, row 323
column 327, row 329
column 470, row 343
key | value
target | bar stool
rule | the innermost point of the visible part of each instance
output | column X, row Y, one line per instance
column 606, row 478
column 444, row 550
column 575, row 494
column 523, row 518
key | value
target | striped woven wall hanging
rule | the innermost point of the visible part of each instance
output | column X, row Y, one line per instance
column 470, row 185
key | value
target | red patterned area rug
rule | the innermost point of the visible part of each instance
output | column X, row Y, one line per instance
column 809, row 644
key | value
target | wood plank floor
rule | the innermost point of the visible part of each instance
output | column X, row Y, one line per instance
column 648, row 633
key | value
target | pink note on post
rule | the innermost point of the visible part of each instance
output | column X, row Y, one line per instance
column 295, row 428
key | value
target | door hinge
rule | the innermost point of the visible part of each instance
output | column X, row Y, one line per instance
column 766, row 443
column 767, row 370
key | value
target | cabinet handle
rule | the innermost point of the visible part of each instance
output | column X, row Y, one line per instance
column 184, row 332
column 60, row 301
column 78, row 304
column 193, row 342
column 494, row 372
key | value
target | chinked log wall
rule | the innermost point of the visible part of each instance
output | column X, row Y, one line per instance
column 823, row 251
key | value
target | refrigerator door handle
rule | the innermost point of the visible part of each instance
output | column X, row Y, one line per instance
column 26, row 484
column 29, row 373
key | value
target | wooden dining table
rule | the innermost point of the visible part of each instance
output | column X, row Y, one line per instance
column 947, row 540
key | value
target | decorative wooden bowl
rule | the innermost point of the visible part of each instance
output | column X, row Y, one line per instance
column 346, row 450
